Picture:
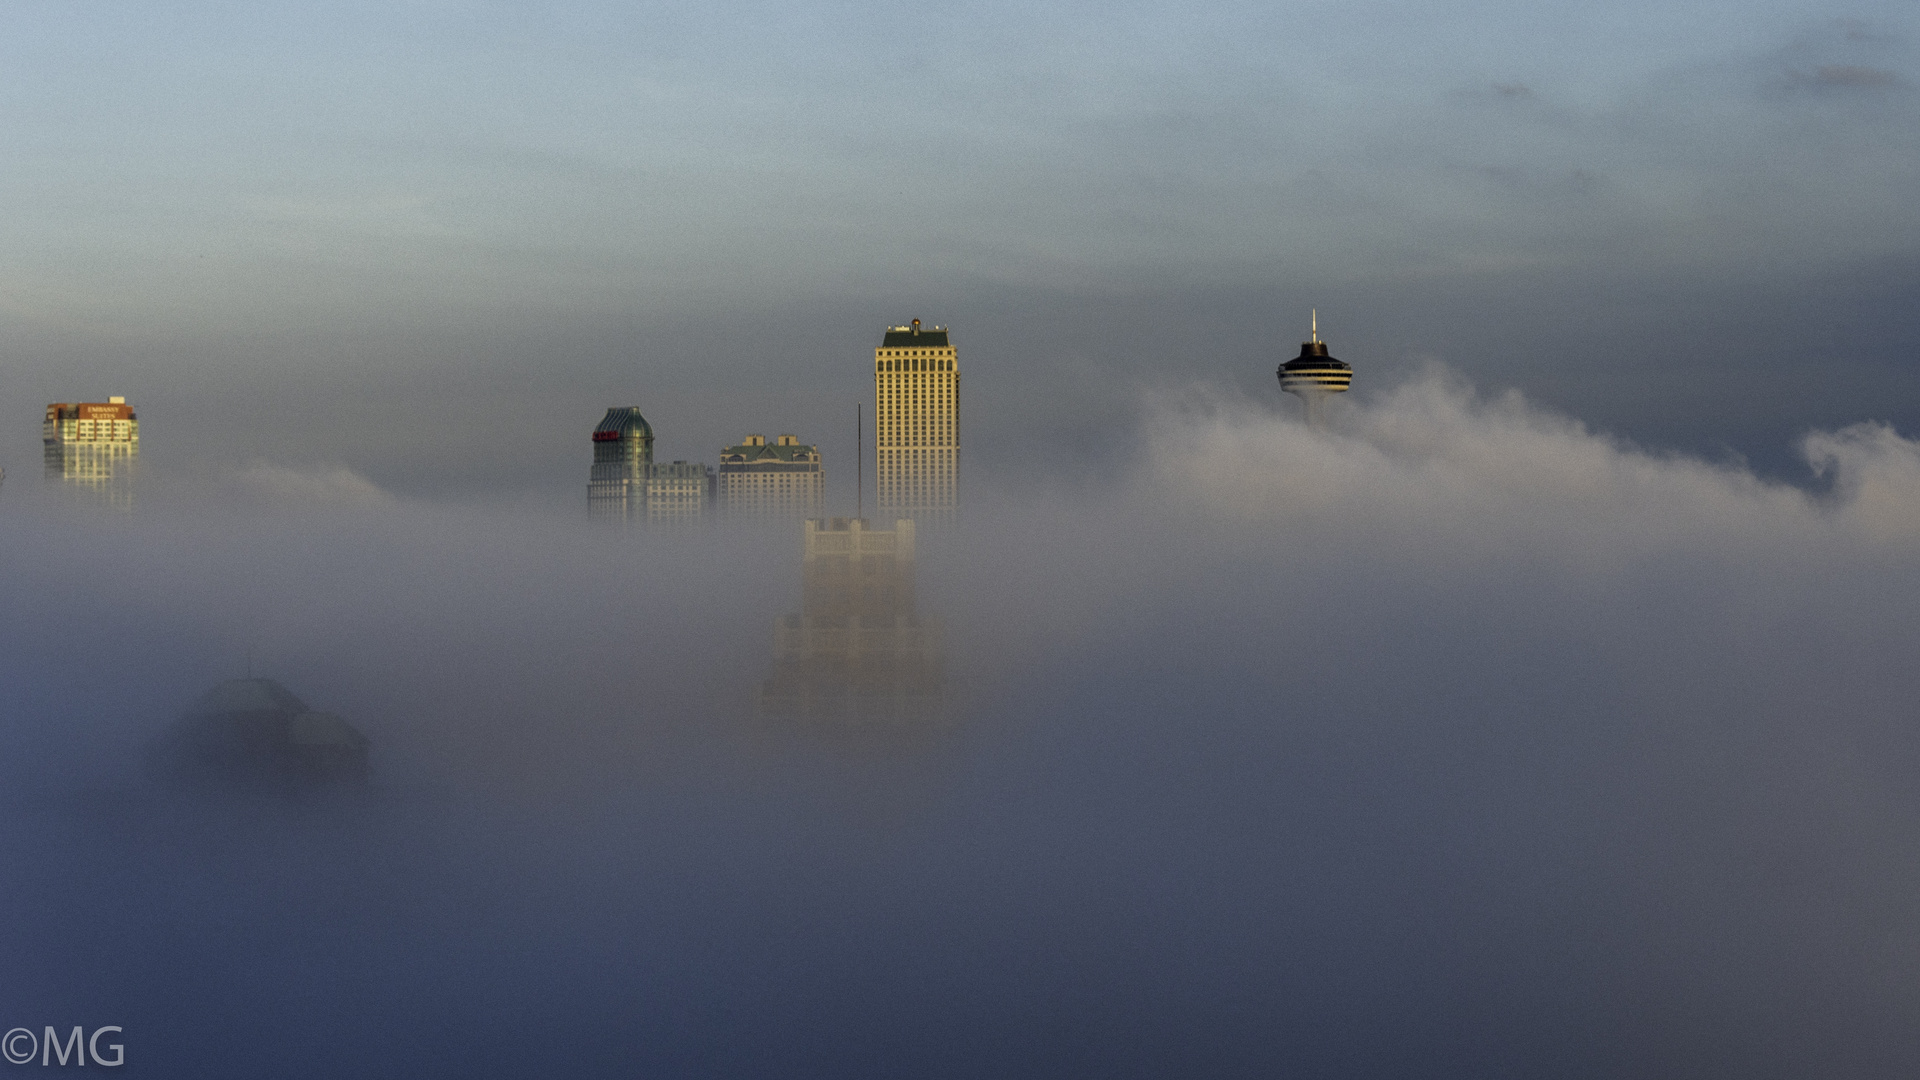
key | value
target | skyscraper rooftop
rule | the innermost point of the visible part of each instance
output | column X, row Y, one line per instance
column 913, row 336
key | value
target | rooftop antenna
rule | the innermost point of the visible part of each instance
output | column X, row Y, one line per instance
column 859, row 465
column 1316, row 323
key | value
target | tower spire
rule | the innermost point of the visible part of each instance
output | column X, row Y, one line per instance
column 1316, row 323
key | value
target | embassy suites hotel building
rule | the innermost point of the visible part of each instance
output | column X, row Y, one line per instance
column 916, row 411
column 93, row 445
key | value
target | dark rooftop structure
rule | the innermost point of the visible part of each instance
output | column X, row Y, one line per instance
column 913, row 337
column 757, row 453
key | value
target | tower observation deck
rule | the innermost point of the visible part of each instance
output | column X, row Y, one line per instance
column 1314, row 374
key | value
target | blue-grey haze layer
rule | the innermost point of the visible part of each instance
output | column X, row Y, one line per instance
column 1451, row 741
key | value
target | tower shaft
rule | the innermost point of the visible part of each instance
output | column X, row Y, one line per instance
column 916, row 423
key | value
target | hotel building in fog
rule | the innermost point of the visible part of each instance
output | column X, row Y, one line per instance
column 782, row 479
column 93, row 445
column 626, row 485
column 916, row 414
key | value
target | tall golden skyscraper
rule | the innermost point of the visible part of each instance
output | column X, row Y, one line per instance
column 916, row 411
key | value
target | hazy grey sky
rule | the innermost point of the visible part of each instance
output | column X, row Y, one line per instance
column 288, row 233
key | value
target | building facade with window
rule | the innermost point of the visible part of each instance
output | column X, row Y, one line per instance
column 916, row 411
column 625, row 483
column 93, row 445
column 781, row 479
column 679, row 491
column 622, row 458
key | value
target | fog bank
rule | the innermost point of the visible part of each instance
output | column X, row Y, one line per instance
column 1454, row 739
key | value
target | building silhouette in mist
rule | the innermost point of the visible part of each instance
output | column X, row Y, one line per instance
column 93, row 445
column 857, row 652
column 916, row 423
column 254, row 735
column 783, row 479
column 626, row 484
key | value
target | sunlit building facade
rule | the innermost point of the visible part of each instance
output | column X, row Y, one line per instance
column 916, row 411
column 858, row 651
column 781, row 479
column 93, row 445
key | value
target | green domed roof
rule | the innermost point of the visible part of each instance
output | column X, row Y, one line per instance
column 625, row 421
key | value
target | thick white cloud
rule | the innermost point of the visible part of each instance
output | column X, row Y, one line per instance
column 1242, row 503
column 1434, row 465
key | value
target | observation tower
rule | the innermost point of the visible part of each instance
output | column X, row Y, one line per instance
column 1314, row 375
